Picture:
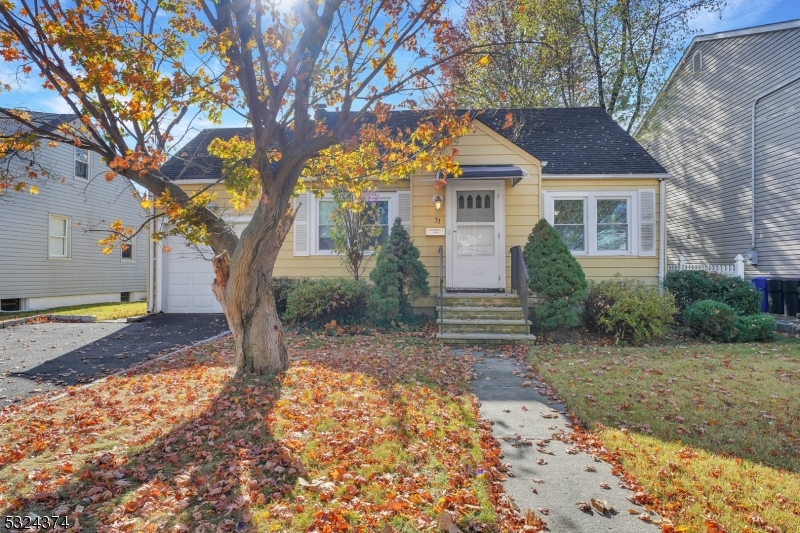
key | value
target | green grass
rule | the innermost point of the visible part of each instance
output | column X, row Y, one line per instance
column 109, row 311
column 711, row 430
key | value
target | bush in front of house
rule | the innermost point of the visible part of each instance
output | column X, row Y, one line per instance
column 281, row 287
column 318, row 301
column 556, row 278
column 398, row 276
column 718, row 321
column 690, row 286
column 752, row 328
column 710, row 319
column 628, row 309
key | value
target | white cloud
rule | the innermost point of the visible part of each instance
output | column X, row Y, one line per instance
column 56, row 104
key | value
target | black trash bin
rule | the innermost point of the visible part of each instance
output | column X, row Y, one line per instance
column 790, row 297
column 775, row 296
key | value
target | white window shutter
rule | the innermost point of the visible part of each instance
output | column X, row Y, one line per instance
column 404, row 209
column 301, row 224
column 647, row 222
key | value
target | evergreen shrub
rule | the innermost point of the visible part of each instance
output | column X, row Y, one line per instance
column 398, row 276
column 316, row 302
column 281, row 287
column 691, row 286
column 556, row 278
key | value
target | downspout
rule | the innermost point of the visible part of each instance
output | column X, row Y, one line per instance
column 752, row 255
column 662, row 230
column 151, row 274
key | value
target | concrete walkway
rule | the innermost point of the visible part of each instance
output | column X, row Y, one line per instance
column 549, row 476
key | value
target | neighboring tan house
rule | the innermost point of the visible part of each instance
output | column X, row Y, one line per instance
column 47, row 256
column 727, row 127
column 575, row 167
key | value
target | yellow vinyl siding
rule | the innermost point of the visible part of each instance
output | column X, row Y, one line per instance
column 323, row 266
column 522, row 210
column 481, row 147
column 600, row 267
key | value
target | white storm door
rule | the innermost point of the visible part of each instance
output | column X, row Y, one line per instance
column 476, row 235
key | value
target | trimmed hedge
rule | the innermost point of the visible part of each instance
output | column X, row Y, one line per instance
column 281, row 287
column 718, row 321
column 690, row 286
column 628, row 309
column 317, row 302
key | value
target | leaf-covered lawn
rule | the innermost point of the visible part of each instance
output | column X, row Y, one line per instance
column 109, row 311
column 711, row 431
column 361, row 434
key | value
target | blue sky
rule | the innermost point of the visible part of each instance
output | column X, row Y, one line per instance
column 736, row 14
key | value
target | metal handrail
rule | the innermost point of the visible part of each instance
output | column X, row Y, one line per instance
column 441, row 287
column 520, row 279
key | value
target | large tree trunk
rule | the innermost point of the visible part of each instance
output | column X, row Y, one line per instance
column 242, row 286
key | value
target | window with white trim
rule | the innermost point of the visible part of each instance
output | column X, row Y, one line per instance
column 126, row 250
column 386, row 209
column 81, row 163
column 59, row 237
column 604, row 223
column 569, row 220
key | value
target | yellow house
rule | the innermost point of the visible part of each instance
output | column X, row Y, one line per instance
column 573, row 166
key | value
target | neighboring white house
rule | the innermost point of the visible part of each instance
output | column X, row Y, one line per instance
column 48, row 258
column 727, row 128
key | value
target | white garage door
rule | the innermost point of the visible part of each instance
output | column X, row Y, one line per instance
column 187, row 280
column 188, row 275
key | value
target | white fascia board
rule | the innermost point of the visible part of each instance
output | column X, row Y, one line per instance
column 194, row 181
column 604, row 176
column 764, row 28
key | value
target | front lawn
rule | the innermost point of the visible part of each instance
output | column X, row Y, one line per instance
column 361, row 434
column 711, row 431
column 109, row 311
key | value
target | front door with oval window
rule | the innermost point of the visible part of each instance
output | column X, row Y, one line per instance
column 475, row 235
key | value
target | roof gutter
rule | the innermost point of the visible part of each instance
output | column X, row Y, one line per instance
column 752, row 255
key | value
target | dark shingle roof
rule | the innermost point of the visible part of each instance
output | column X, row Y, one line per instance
column 46, row 121
column 573, row 140
column 193, row 160
column 582, row 140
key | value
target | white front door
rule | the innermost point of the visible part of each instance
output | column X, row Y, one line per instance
column 476, row 235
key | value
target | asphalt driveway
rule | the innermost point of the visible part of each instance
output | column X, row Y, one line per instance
column 37, row 358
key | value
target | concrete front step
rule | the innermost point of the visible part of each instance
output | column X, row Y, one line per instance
column 484, row 326
column 484, row 339
column 457, row 299
column 479, row 312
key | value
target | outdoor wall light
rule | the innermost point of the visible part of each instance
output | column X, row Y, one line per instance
column 437, row 202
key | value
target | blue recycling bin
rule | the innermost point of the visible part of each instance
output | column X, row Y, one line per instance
column 761, row 286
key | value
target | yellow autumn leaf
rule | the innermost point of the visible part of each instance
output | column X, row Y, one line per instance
column 33, row 189
column 146, row 204
column 484, row 61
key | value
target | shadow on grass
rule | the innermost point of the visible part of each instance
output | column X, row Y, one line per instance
column 217, row 464
column 214, row 470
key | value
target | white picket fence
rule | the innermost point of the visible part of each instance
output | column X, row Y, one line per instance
column 735, row 269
